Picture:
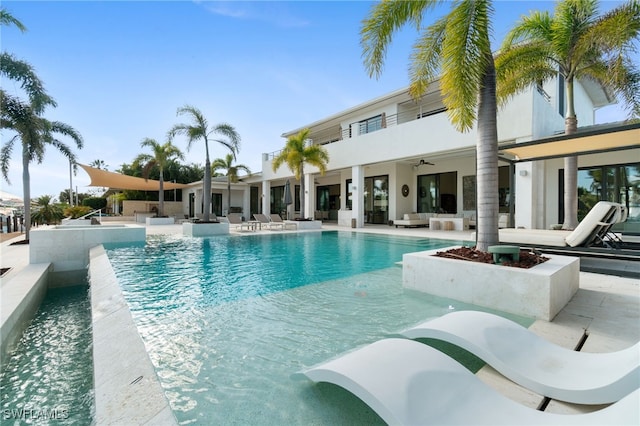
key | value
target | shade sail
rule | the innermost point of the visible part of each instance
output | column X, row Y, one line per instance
column 595, row 140
column 106, row 179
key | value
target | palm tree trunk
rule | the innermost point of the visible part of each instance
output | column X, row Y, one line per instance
column 206, row 190
column 487, row 162
column 570, row 165
column 161, row 196
column 26, row 191
column 301, row 192
column 228, row 193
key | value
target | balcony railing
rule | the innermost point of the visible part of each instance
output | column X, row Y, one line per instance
column 386, row 121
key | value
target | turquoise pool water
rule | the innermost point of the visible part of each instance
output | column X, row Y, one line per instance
column 48, row 378
column 227, row 320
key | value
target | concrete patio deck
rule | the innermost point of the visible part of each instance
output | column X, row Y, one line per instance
column 606, row 307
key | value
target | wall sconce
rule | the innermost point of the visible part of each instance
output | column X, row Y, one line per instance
column 353, row 187
column 523, row 173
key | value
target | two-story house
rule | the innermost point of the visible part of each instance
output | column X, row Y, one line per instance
column 393, row 155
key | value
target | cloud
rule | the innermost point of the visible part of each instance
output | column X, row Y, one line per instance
column 275, row 13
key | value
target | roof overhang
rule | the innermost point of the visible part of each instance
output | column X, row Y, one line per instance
column 106, row 179
column 592, row 140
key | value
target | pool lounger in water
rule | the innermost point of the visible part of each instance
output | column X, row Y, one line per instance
column 409, row 383
column 535, row 363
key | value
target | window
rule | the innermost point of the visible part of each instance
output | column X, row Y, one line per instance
column 437, row 193
column 376, row 198
column 616, row 183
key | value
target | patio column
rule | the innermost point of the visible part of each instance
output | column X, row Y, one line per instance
column 246, row 203
column 309, row 196
column 357, row 205
column 266, row 197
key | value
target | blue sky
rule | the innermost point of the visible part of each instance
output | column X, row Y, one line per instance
column 120, row 69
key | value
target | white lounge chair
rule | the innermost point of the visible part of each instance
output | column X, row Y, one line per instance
column 264, row 221
column 592, row 229
column 535, row 363
column 275, row 218
column 409, row 383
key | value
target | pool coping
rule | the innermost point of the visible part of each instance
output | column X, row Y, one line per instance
column 127, row 388
column 20, row 300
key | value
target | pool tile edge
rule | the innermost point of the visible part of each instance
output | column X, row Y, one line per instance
column 127, row 388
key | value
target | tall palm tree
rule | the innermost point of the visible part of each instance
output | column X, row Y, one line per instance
column 296, row 153
column 231, row 171
column 456, row 48
column 575, row 43
column 35, row 133
column 162, row 156
column 198, row 129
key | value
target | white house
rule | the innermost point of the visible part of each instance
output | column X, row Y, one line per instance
column 393, row 155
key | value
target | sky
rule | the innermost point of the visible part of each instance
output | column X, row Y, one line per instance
column 119, row 70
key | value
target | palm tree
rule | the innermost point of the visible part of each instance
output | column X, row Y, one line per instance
column 296, row 153
column 199, row 129
column 456, row 46
column 46, row 212
column 99, row 164
column 575, row 43
column 35, row 133
column 231, row 171
column 162, row 155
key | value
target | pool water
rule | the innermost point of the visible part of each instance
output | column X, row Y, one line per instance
column 228, row 320
column 48, row 377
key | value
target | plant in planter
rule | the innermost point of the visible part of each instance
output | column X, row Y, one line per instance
column 231, row 171
column 296, row 153
column 162, row 155
column 200, row 129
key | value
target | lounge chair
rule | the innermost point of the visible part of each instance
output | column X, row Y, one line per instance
column 236, row 219
column 409, row 383
column 535, row 363
column 275, row 218
column 265, row 222
column 593, row 229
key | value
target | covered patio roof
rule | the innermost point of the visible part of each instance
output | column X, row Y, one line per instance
column 589, row 140
column 106, row 179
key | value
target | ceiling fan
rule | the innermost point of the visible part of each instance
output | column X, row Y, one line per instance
column 423, row 163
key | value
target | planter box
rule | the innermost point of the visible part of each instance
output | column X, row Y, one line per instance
column 204, row 229
column 160, row 220
column 304, row 225
column 539, row 292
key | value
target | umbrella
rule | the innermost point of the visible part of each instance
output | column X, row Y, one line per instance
column 287, row 194
column 286, row 197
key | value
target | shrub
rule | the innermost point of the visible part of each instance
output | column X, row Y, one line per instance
column 96, row 203
column 76, row 211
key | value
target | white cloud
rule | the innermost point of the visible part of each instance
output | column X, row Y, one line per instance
column 275, row 13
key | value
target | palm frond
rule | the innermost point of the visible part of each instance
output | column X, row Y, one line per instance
column 385, row 18
column 23, row 72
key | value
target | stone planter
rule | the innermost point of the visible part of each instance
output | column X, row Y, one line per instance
column 195, row 229
column 160, row 221
column 539, row 292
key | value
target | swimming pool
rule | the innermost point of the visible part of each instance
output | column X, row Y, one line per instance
column 48, row 377
column 227, row 320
